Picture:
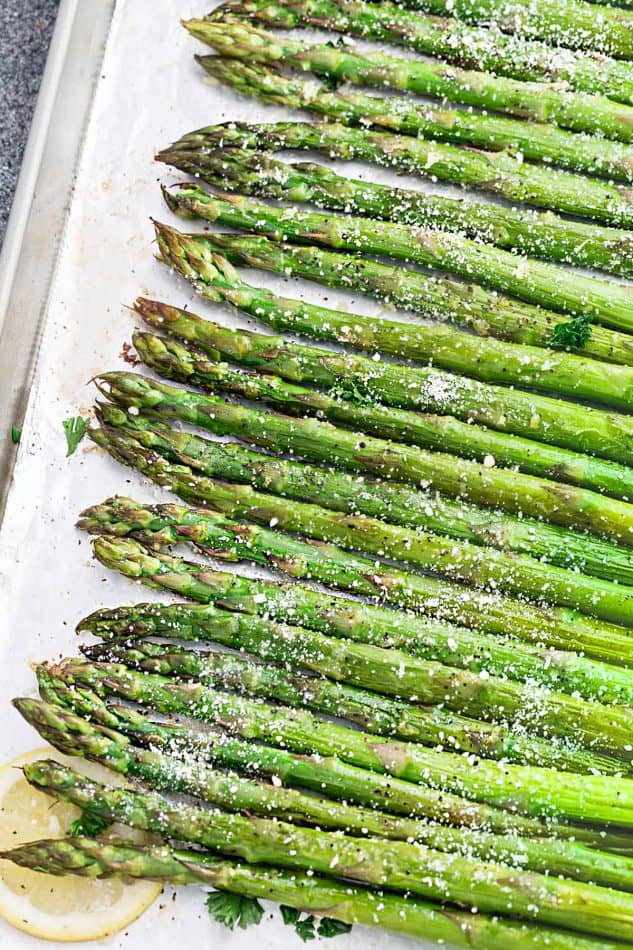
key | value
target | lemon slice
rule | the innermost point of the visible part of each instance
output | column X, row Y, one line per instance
column 65, row 909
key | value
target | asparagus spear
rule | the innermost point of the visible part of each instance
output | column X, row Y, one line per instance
column 317, row 895
column 541, row 102
column 475, row 309
column 325, row 775
column 528, row 790
column 537, row 419
column 545, row 284
column 533, row 233
column 317, row 440
column 322, row 774
column 455, row 560
column 479, row 611
column 254, row 173
column 342, row 617
column 353, row 494
column 169, row 525
column 362, row 666
column 232, row 792
column 454, row 41
column 397, row 865
column 537, row 283
column 353, row 409
column 493, row 171
column 571, row 23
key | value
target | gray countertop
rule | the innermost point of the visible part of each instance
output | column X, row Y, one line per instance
column 25, row 31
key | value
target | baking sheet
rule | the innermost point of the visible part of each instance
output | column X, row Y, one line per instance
column 150, row 92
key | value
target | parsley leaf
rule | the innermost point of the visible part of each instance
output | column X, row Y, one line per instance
column 289, row 915
column 571, row 335
column 330, row 82
column 305, row 928
column 232, row 909
column 75, row 430
column 88, row 825
column 332, row 928
column 352, row 391
column 16, row 434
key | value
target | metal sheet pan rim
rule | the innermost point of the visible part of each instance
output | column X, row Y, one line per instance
column 41, row 204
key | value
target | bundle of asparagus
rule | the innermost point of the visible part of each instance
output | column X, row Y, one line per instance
column 395, row 865
column 342, row 617
column 163, row 771
column 139, row 440
column 429, row 390
column 424, row 681
column 354, row 450
column 541, row 102
column 456, row 560
column 204, row 154
column 454, row 41
column 527, row 790
column 483, row 313
column 497, row 172
column 426, row 724
column 382, row 715
column 607, row 303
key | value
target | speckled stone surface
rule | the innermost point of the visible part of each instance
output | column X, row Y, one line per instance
column 25, row 31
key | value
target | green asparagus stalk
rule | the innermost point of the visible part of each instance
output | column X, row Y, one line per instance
column 528, row 790
column 497, row 172
column 537, row 283
column 319, row 441
column 353, row 494
column 486, row 49
column 535, row 418
column 536, row 234
column 486, row 612
column 398, row 865
column 322, row 774
column 313, row 894
column 404, row 675
column 545, row 284
column 359, row 665
column 75, row 736
column 346, row 618
column 571, row 23
column 456, row 560
column 437, row 298
column 255, row 173
column 431, row 726
column 433, row 297
column 540, row 102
